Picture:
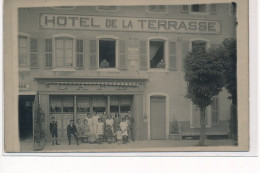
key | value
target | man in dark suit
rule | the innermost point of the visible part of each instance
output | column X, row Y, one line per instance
column 54, row 131
column 72, row 130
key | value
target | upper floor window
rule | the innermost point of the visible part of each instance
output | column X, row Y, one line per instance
column 200, row 8
column 199, row 46
column 157, row 55
column 23, row 51
column 64, row 51
column 157, row 8
column 27, row 51
column 107, row 8
column 107, row 53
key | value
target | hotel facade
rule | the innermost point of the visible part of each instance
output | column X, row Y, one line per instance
column 112, row 59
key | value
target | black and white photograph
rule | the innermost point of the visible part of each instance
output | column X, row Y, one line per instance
column 123, row 78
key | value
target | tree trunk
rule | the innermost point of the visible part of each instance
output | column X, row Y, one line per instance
column 202, row 126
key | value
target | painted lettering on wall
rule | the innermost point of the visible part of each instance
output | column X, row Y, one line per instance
column 55, row 21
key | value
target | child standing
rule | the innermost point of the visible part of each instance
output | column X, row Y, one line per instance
column 109, row 134
column 118, row 135
column 100, row 130
column 86, row 131
column 54, row 130
column 123, row 127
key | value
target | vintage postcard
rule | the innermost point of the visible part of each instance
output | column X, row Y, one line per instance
column 126, row 77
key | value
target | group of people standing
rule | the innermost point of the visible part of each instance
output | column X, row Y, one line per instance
column 98, row 129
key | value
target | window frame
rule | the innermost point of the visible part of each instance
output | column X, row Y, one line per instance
column 73, row 67
column 207, row 12
column 166, row 54
column 108, row 37
column 28, row 37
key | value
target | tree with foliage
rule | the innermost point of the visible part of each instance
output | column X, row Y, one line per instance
column 204, row 77
column 228, row 54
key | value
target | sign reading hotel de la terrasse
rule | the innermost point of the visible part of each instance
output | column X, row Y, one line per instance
column 56, row 21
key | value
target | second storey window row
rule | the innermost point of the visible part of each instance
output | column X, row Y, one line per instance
column 103, row 53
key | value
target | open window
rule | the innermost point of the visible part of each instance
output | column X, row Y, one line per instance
column 107, row 53
column 157, row 54
column 199, row 8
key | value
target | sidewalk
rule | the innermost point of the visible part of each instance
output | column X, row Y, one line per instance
column 155, row 145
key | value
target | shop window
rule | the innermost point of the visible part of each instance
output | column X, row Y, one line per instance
column 67, row 103
column 99, row 104
column 157, row 56
column 107, row 53
column 59, row 104
column 64, row 52
column 199, row 8
column 125, row 104
column 107, row 8
column 199, row 46
column 83, row 105
column 55, row 104
column 114, row 104
column 214, row 111
column 157, row 8
column 233, row 8
column 23, row 51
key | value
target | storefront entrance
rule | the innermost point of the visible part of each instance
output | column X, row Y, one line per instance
column 25, row 116
column 66, row 108
column 158, row 117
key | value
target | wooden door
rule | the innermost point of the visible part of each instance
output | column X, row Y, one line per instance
column 158, row 117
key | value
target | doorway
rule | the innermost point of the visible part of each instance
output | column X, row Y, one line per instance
column 25, row 114
column 158, row 117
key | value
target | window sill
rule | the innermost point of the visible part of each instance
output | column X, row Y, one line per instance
column 108, row 69
column 158, row 70
column 63, row 69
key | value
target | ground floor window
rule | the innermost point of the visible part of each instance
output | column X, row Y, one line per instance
column 94, row 104
column 107, row 53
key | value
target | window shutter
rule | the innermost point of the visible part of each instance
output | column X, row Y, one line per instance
column 184, row 8
column 172, row 56
column 93, row 54
column 48, row 53
column 213, row 8
column 122, row 55
column 143, row 57
column 185, row 50
column 79, row 54
column 33, row 53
